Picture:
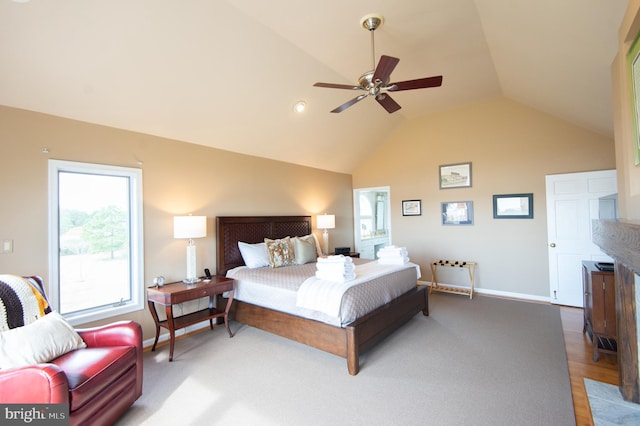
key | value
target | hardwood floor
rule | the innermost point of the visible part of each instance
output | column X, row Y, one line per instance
column 581, row 365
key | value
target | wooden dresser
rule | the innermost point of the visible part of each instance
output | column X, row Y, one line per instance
column 599, row 308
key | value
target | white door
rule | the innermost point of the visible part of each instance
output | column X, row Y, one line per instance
column 572, row 203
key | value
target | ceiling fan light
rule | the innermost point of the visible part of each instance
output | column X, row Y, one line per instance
column 300, row 106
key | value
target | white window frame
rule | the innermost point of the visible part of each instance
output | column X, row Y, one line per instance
column 136, row 240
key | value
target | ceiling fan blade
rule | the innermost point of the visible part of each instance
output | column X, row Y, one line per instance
column 420, row 83
column 384, row 69
column 338, row 86
column 350, row 103
column 387, row 103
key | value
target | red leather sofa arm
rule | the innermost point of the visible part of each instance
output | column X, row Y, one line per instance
column 35, row 384
column 120, row 333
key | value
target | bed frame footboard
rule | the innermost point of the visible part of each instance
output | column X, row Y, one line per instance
column 365, row 332
column 348, row 342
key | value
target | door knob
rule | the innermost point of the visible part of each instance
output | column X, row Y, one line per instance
column 552, row 245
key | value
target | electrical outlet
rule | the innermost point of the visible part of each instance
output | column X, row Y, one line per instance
column 7, row 246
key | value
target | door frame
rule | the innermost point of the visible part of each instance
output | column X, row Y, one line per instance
column 356, row 213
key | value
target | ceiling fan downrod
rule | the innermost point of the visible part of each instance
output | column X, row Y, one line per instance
column 372, row 22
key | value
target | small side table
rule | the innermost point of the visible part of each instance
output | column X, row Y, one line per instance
column 179, row 292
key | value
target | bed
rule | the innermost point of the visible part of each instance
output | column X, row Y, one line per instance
column 347, row 341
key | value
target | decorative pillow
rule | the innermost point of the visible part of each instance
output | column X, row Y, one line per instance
column 281, row 252
column 41, row 341
column 21, row 302
column 305, row 250
column 315, row 242
column 254, row 255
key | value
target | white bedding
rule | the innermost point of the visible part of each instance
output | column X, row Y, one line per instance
column 277, row 288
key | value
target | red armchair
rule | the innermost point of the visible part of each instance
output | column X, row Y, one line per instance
column 99, row 382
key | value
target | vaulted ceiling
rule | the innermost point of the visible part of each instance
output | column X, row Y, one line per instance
column 227, row 73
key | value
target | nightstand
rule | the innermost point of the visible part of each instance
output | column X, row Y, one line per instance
column 179, row 292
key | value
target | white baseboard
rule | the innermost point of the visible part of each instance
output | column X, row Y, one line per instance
column 496, row 293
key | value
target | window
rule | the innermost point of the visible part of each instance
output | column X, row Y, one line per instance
column 96, row 265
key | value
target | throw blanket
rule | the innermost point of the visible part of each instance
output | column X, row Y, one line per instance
column 21, row 302
column 326, row 296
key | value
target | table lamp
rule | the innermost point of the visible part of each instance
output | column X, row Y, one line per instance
column 326, row 221
column 190, row 227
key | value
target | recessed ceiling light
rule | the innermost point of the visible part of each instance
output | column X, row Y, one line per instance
column 21, row 1
column 299, row 106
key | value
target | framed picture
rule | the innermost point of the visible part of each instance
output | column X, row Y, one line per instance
column 513, row 206
column 455, row 176
column 457, row 213
column 411, row 207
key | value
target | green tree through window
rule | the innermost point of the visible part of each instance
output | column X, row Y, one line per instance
column 107, row 231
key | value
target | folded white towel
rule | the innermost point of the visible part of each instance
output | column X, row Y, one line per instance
column 338, row 258
column 392, row 251
column 335, row 267
column 391, row 255
column 394, row 260
column 392, row 248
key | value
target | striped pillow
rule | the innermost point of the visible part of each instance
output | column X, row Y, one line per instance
column 22, row 302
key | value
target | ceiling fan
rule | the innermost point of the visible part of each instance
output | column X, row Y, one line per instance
column 376, row 82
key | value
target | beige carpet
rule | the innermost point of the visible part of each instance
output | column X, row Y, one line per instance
column 484, row 361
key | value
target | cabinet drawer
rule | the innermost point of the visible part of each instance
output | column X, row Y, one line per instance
column 175, row 293
column 185, row 296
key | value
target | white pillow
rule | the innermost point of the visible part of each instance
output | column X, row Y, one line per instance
column 254, row 255
column 41, row 341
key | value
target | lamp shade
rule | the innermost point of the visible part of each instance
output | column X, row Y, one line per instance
column 326, row 221
column 189, row 226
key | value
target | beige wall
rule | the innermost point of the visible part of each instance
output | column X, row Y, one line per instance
column 628, row 172
column 511, row 148
column 178, row 178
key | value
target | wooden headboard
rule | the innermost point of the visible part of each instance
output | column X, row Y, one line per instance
column 252, row 229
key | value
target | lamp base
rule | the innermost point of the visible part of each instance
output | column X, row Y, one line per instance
column 325, row 242
column 192, row 278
